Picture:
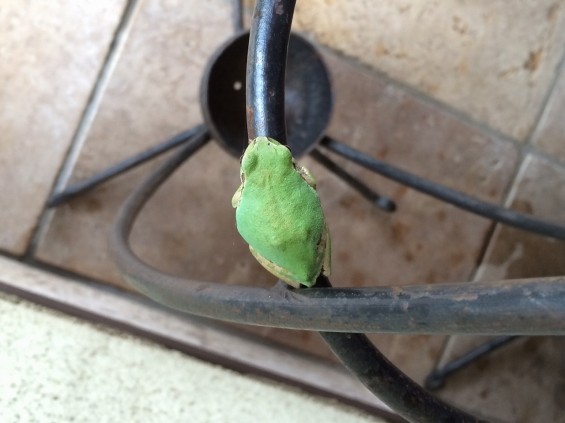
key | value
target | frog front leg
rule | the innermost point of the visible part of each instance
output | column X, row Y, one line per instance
column 327, row 263
column 236, row 199
column 307, row 176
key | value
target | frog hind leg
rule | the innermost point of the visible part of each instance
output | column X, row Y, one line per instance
column 275, row 269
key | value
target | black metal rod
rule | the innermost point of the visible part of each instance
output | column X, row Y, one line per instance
column 266, row 64
column 368, row 193
column 125, row 165
column 436, row 379
column 457, row 198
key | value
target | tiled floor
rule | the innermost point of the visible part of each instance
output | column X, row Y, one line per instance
column 188, row 229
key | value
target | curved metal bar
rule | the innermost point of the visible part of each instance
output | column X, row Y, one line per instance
column 457, row 198
column 359, row 355
column 527, row 306
column 394, row 388
column 266, row 64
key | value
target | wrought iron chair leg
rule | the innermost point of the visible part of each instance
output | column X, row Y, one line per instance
column 125, row 165
column 443, row 193
column 384, row 203
column 436, row 379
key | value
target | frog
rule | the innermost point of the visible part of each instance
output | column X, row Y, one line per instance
column 279, row 214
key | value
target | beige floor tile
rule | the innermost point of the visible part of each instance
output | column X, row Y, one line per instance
column 493, row 60
column 51, row 54
column 550, row 134
column 188, row 229
column 525, row 381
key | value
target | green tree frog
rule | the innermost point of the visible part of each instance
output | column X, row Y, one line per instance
column 278, row 213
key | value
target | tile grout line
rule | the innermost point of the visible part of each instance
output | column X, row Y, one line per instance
column 106, row 71
column 58, row 271
column 532, row 150
column 109, row 64
column 507, row 194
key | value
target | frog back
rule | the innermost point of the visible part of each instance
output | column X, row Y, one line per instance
column 281, row 217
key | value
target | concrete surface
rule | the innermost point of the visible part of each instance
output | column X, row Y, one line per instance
column 55, row 368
